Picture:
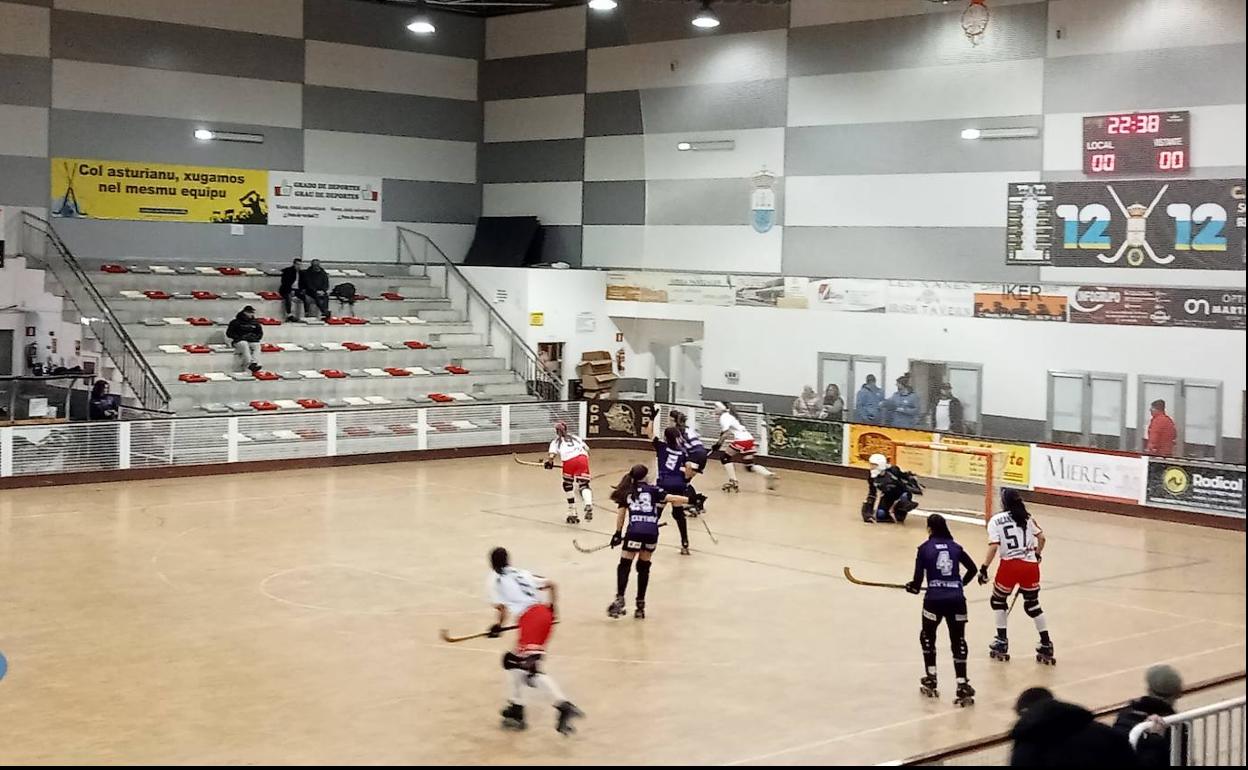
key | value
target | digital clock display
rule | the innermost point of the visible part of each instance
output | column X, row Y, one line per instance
column 1137, row 143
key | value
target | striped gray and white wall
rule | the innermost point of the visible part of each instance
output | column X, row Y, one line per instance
column 857, row 105
column 333, row 86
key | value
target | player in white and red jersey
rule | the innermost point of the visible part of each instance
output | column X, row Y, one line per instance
column 518, row 593
column 1015, row 534
column 736, row 445
column 573, row 455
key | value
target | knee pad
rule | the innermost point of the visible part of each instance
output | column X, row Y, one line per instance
column 583, row 484
column 1031, row 604
column 512, row 661
column 725, row 459
column 997, row 602
column 526, row 663
column 567, row 485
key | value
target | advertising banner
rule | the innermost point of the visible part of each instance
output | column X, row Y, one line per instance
column 1096, row 475
column 1014, row 461
column 1145, row 223
column 1021, row 303
column 866, row 440
column 674, row 288
column 158, row 192
column 805, row 439
column 1195, row 486
column 768, row 291
column 1147, row 306
column 848, row 295
column 619, row 419
column 298, row 198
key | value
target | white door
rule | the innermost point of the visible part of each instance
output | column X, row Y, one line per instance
column 1202, row 418
column 1108, row 410
column 966, row 384
column 833, row 370
column 1154, row 389
column 688, row 372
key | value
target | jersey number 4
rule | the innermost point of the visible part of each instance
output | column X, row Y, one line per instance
column 944, row 563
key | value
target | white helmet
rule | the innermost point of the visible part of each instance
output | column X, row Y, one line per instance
column 879, row 464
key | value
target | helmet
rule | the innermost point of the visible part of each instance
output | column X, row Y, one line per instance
column 879, row 464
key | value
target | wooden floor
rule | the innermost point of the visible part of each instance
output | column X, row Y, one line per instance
column 292, row 618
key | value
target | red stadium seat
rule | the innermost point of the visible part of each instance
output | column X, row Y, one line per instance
column 199, row 321
column 113, row 269
column 441, row 398
column 229, row 271
column 453, row 369
column 266, row 321
column 266, row 376
column 415, row 344
column 395, row 371
column 334, row 374
column 336, row 321
column 359, row 297
column 354, row 346
column 269, row 347
column 311, row 403
column 391, row 295
column 190, row 377
column 353, row 320
column 205, row 295
column 310, row 434
column 269, row 295
column 401, row 430
column 157, row 294
column 264, row 406
column 196, row 348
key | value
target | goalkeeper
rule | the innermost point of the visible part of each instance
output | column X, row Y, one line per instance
column 890, row 492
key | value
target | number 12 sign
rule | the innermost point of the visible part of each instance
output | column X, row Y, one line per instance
column 1180, row 223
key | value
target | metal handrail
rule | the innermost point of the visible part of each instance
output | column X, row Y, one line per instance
column 542, row 382
column 1184, row 721
column 114, row 340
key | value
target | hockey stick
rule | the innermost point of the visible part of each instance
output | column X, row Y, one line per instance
column 711, row 534
column 446, row 635
column 533, row 463
column 595, row 548
column 850, row 577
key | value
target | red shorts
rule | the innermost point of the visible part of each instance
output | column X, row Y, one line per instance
column 745, row 446
column 577, row 467
column 1018, row 572
column 535, row 625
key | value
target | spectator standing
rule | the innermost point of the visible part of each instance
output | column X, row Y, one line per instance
column 946, row 412
column 1162, row 434
column 314, row 283
column 102, row 405
column 245, row 333
column 289, row 289
column 902, row 408
column 806, row 405
column 832, row 406
column 1050, row 733
column 1164, row 688
column 869, row 402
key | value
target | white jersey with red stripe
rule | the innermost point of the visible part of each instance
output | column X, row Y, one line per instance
column 515, row 589
column 569, row 447
column 1013, row 541
column 736, row 431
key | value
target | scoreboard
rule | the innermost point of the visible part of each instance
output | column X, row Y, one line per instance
column 1137, row 143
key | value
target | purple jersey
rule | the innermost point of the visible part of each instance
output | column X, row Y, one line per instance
column 671, row 466
column 645, row 506
column 938, row 561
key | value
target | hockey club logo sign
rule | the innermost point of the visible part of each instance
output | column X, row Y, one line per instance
column 763, row 201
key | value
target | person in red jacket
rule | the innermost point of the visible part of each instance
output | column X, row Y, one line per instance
column 1161, row 431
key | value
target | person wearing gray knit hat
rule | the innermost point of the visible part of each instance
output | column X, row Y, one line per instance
column 1164, row 683
column 1164, row 688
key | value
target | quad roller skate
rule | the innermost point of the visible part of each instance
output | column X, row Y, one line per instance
column 616, row 609
column 999, row 650
column 1044, row 654
column 965, row 696
column 589, row 513
column 928, row 687
column 567, row 712
column 731, row 486
column 572, row 517
column 640, row 612
column 513, row 717
column 772, row 482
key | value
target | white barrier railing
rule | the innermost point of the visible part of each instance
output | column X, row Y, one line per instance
column 1210, row 736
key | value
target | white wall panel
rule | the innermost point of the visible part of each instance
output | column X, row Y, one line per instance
column 1106, row 26
column 723, row 248
column 927, row 93
column 754, row 150
column 900, row 200
column 23, row 131
column 164, row 93
column 528, row 34
column 614, row 158
column 723, row 59
column 1217, row 137
column 24, row 29
column 554, row 203
column 544, row 117
column 394, row 157
column 384, row 69
column 269, row 17
column 807, row 13
column 378, row 245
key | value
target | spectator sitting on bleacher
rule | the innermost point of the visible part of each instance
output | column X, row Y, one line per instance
column 314, row 283
column 1051, row 733
column 345, row 294
column 1164, row 688
column 289, row 289
column 245, row 333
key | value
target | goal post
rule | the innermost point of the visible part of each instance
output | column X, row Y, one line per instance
column 958, row 480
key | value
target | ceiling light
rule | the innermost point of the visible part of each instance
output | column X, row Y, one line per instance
column 421, row 26
column 706, row 18
column 684, row 146
column 204, row 134
column 707, row 145
column 971, row 133
column 1009, row 132
column 603, row 5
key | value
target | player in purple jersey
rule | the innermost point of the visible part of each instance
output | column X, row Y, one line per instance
column 937, row 560
column 640, row 506
column 673, row 477
column 699, row 455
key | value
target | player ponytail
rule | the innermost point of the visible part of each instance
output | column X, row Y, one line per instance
column 672, row 437
column 678, row 418
column 730, row 409
column 1012, row 501
column 938, row 528
column 635, row 477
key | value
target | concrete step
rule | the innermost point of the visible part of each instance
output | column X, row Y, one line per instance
column 169, row 365
column 370, row 269
column 148, row 338
column 131, row 310
column 110, row 284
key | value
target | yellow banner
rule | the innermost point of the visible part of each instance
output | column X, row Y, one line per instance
column 866, row 440
column 1015, row 459
column 158, row 192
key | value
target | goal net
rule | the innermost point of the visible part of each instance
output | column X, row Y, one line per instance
column 961, row 482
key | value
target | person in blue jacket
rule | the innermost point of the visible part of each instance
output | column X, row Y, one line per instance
column 869, row 402
column 903, row 405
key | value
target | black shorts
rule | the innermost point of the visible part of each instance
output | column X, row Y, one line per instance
column 641, row 541
column 948, row 610
column 699, row 459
